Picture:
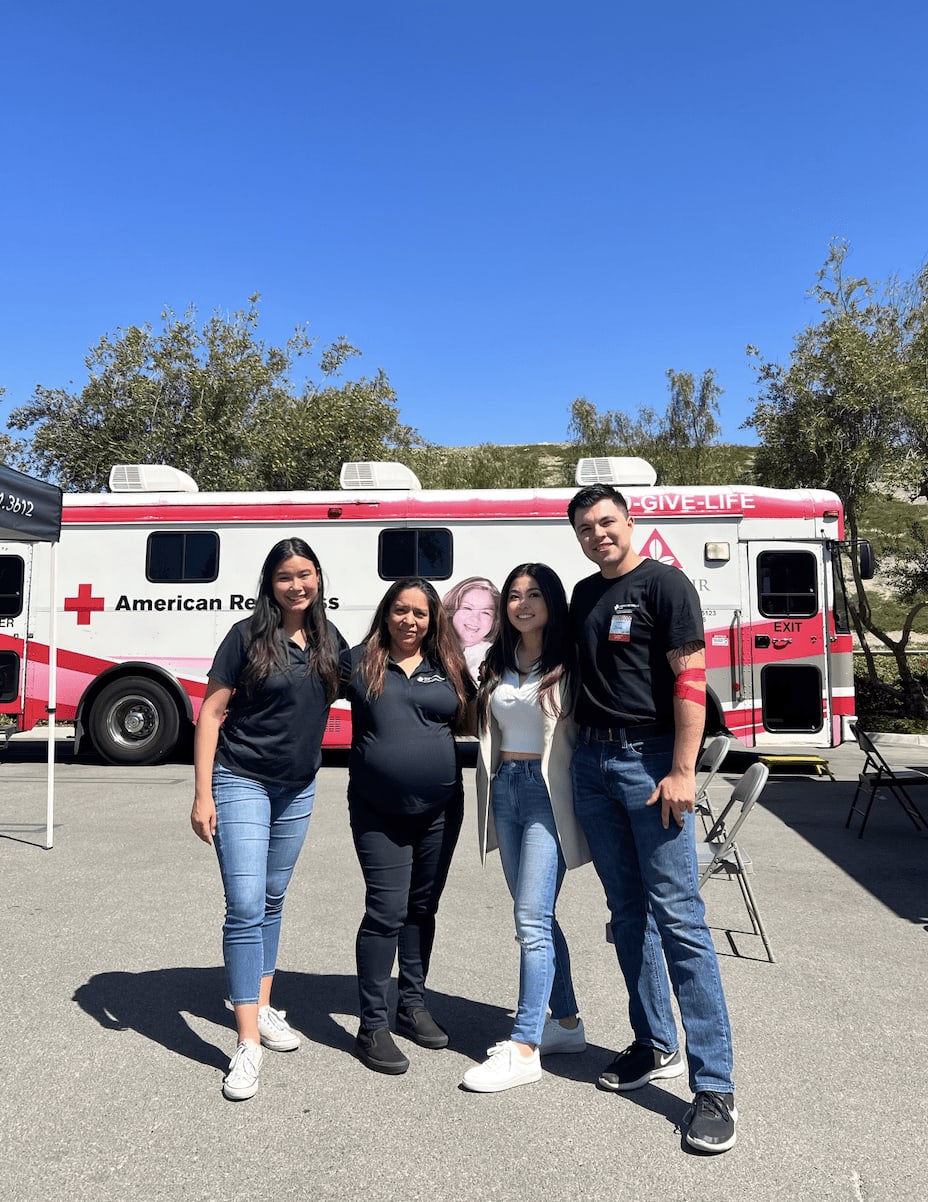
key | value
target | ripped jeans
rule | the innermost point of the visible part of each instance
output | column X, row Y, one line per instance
column 534, row 869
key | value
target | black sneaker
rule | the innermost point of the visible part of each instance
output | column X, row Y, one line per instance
column 712, row 1122
column 419, row 1026
column 638, row 1065
column 377, row 1050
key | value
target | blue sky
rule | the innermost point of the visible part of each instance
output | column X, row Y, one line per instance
column 505, row 205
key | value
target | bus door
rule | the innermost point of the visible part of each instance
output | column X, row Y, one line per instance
column 15, row 581
column 785, row 643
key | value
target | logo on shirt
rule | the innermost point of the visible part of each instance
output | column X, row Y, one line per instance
column 435, row 678
column 656, row 548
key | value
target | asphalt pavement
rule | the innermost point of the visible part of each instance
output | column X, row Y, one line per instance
column 116, row 1035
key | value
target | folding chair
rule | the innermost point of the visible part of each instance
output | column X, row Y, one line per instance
column 876, row 774
column 721, row 855
column 710, row 761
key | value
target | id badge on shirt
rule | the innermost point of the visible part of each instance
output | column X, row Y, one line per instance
column 620, row 624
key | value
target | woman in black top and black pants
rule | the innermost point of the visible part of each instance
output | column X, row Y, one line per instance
column 409, row 693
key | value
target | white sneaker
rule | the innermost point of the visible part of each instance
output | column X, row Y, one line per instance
column 505, row 1068
column 276, row 1033
column 555, row 1038
column 241, row 1081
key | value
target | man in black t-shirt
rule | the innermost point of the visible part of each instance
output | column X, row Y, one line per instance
column 641, row 711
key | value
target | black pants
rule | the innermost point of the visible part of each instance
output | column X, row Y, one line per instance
column 405, row 861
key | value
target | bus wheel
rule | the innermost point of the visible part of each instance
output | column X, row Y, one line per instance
column 134, row 721
column 714, row 723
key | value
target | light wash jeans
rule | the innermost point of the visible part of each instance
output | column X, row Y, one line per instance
column 651, row 882
column 534, row 869
column 259, row 835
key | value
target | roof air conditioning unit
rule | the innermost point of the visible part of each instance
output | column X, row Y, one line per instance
column 150, row 477
column 619, row 470
column 377, row 475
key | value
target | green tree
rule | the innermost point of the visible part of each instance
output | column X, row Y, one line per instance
column 11, row 449
column 213, row 400
column 847, row 414
column 307, row 438
column 689, row 426
column 912, row 473
column 682, row 444
column 594, row 434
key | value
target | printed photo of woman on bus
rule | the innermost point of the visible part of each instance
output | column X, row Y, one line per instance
column 473, row 607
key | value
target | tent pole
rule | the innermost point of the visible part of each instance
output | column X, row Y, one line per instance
column 52, row 692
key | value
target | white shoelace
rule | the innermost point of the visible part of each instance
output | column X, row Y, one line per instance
column 246, row 1061
column 275, row 1018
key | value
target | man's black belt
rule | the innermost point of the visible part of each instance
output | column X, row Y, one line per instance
column 624, row 734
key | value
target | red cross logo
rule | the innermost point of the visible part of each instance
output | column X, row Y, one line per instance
column 655, row 548
column 84, row 604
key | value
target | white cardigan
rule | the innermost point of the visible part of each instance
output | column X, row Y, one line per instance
column 560, row 737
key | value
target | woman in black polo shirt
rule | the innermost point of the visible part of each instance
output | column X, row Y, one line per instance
column 256, row 754
column 409, row 693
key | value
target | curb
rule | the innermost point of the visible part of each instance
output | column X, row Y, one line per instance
column 898, row 740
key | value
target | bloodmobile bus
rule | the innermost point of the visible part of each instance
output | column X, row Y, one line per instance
column 152, row 574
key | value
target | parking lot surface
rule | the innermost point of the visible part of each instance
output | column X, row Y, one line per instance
column 116, row 1035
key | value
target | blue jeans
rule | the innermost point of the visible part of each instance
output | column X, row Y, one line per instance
column 259, row 834
column 534, row 869
column 651, row 882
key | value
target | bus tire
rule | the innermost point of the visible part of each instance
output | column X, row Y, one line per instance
column 714, row 722
column 134, row 720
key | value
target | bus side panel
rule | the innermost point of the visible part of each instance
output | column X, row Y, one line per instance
column 110, row 613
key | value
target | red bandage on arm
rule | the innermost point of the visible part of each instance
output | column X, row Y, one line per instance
column 683, row 689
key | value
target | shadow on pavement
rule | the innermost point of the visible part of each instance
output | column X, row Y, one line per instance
column 891, row 861
column 155, row 1005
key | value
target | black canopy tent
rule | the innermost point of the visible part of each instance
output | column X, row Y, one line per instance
column 30, row 511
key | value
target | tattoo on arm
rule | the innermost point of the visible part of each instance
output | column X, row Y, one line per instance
column 682, row 657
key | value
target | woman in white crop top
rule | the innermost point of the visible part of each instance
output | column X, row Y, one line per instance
column 525, row 808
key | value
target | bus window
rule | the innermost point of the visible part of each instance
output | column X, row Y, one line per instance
column 413, row 552
column 842, row 614
column 787, row 586
column 9, row 676
column 791, row 697
column 182, row 557
column 12, row 575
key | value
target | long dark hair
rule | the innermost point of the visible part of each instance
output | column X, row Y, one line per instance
column 557, row 654
column 440, row 643
column 267, row 642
